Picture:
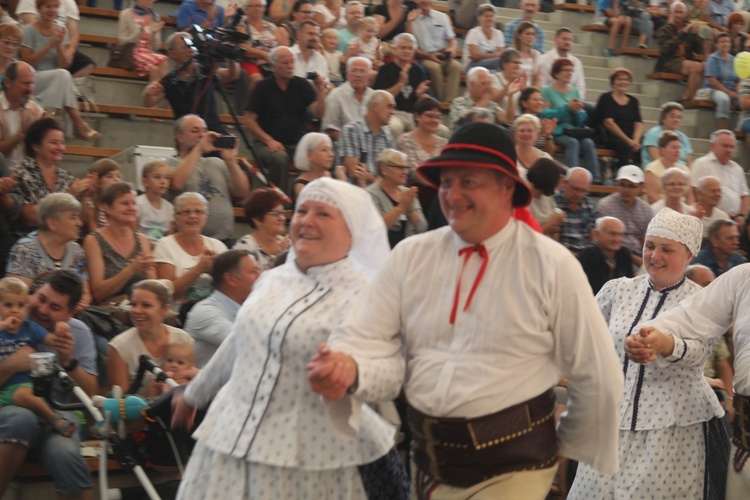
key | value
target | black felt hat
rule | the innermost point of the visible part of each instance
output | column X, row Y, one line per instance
column 479, row 145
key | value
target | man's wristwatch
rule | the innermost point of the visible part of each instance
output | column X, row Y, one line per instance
column 72, row 366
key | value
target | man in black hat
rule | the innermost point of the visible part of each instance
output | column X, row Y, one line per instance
column 490, row 315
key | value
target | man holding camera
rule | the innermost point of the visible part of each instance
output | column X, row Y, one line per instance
column 308, row 62
column 218, row 179
column 277, row 114
column 181, row 88
column 437, row 49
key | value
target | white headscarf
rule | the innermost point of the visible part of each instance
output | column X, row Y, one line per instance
column 678, row 227
column 369, row 235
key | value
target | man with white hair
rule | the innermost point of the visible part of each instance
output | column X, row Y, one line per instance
column 405, row 81
column 529, row 9
column 606, row 259
column 580, row 211
column 718, row 163
column 708, row 197
column 279, row 111
column 347, row 103
column 437, row 49
column 479, row 95
column 365, row 139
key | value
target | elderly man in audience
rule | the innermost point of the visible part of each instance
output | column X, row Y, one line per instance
column 721, row 254
column 405, row 79
column 529, row 8
column 580, row 210
column 708, row 196
column 626, row 205
column 563, row 44
column 206, row 13
column 52, row 247
column 347, row 103
column 606, row 259
column 307, row 59
column 479, row 95
column 18, row 109
column 21, row 432
column 182, row 89
column 279, row 111
column 354, row 13
column 437, row 49
column 362, row 141
column 210, row 321
column 218, row 179
column 718, row 163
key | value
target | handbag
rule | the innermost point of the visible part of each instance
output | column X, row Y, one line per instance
column 121, row 56
column 580, row 133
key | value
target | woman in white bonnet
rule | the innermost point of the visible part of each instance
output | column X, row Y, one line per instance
column 266, row 434
column 672, row 442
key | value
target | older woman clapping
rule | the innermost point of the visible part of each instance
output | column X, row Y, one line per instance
column 271, row 438
column 150, row 302
column 187, row 257
column 671, row 435
column 397, row 203
column 118, row 257
column 53, row 247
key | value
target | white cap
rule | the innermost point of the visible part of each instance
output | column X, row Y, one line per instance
column 630, row 173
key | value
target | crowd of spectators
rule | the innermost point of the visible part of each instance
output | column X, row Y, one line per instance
column 376, row 87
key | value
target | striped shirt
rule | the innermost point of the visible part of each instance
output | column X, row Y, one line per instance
column 356, row 138
column 575, row 230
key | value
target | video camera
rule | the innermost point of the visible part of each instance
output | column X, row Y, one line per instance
column 219, row 43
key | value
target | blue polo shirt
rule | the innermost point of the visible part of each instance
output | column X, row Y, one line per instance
column 190, row 13
column 707, row 258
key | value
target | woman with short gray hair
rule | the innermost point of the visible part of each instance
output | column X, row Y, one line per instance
column 187, row 257
column 484, row 44
column 52, row 247
column 398, row 204
column 314, row 157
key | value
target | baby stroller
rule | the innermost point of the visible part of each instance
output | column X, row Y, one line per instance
column 155, row 445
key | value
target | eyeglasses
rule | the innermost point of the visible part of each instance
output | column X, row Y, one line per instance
column 192, row 212
column 402, row 168
column 10, row 43
column 675, row 184
column 277, row 213
column 577, row 190
column 434, row 116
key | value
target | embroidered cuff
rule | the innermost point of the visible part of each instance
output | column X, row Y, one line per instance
column 680, row 348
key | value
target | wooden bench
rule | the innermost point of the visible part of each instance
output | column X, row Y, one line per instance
column 631, row 51
column 163, row 114
column 115, row 14
column 699, row 104
column 575, row 7
column 667, row 77
column 602, row 190
column 108, row 72
column 595, row 28
column 603, row 153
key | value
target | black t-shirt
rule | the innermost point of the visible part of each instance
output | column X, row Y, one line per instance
column 388, row 77
column 624, row 116
column 382, row 10
column 282, row 114
column 181, row 95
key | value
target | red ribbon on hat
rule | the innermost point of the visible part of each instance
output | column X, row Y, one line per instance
column 466, row 252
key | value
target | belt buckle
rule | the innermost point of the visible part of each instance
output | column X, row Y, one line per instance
column 429, row 444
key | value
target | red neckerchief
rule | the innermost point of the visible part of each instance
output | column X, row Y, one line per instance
column 466, row 252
